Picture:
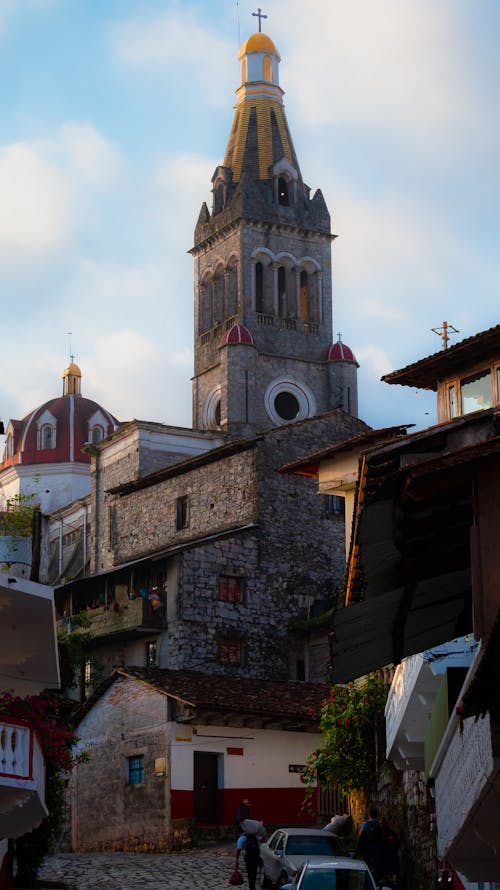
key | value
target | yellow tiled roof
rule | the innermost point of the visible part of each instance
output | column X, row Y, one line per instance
column 235, row 153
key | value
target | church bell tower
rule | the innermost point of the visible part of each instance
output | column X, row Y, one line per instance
column 263, row 348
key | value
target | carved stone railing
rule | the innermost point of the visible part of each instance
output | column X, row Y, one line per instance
column 22, row 778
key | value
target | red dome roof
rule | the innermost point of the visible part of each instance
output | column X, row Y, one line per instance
column 238, row 334
column 339, row 352
column 57, row 431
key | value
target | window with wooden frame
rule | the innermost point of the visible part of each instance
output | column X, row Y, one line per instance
column 475, row 392
column 135, row 774
column 230, row 651
column 230, row 588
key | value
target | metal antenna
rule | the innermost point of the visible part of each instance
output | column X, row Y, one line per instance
column 443, row 332
column 238, row 17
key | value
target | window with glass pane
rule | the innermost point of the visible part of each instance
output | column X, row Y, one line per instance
column 476, row 392
column 230, row 588
column 136, row 770
column 230, row 651
column 452, row 401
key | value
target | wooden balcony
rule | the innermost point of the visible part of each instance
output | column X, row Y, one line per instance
column 22, row 778
column 123, row 619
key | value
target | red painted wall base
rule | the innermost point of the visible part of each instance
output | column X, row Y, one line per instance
column 273, row 806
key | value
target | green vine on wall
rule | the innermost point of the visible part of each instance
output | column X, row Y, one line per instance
column 17, row 520
column 348, row 722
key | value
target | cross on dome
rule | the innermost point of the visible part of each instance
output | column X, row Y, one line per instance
column 260, row 15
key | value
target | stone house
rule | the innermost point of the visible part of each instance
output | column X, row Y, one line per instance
column 172, row 748
column 230, row 551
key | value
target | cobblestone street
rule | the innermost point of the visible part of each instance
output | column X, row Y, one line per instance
column 201, row 869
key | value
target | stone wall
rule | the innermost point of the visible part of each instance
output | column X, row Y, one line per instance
column 221, row 495
column 130, row 720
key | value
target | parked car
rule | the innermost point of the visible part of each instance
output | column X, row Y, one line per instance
column 338, row 874
column 288, row 848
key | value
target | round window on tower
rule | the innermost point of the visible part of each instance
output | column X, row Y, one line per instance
column 211, row 416
column 286, row 405
column 286, row 400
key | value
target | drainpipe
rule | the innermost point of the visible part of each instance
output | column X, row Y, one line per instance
column 168, row 776
column 84, row 539
column 60, row 547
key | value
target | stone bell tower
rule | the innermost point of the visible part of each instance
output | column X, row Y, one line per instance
column 262, row 280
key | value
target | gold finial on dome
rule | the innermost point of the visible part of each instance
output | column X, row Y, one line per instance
column 257, row 43
column 72, row 380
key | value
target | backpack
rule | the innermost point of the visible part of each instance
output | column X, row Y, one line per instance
column 252, row 846
column 373, row 833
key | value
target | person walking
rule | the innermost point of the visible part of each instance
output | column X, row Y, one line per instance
column 391, row 853
column 371, row 844
column 249, row 844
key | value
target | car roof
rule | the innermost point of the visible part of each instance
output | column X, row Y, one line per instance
column 305, row 831
column 338, row 862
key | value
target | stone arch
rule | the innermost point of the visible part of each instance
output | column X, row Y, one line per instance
column 218, row 311
column 205, row 300
column 263, row 281
column 232, row 285
column 310, row 309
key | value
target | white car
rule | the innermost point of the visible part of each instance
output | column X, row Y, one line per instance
column 288, row 848
column 338, row 874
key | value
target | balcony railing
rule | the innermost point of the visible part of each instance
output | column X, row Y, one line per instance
column 22, row 778
column 120, row 616
column 467, row 774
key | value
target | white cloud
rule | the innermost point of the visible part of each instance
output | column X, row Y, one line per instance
column 36, row 206
column 181, row 184
column 180, row 43
column 398, row 66
column 375, row 361
column 387, row 241
column 134, row 377
column 45, row 189
column 89, row 154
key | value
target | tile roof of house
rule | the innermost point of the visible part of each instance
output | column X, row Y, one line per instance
column 286, row 705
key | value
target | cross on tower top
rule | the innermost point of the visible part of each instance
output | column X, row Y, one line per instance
column 260, row 15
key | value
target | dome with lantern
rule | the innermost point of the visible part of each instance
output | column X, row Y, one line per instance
column 340, row 352
column 50, row 442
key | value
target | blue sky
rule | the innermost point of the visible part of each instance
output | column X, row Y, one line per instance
column 113, row 117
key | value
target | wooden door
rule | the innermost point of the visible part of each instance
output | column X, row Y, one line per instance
column 206, row 796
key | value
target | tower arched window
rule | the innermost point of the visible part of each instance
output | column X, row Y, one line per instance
column 267, row 68
column 218, row 197
column 205, row 306
column 259, row 287
column 282, row 291
column 304, row 295
column 9, row 445
column 232, row 288
column 47, row 438
column 283, row 192
column 96, row 434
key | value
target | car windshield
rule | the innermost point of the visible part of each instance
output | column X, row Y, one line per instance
column 311, row 845
column 336, row 879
